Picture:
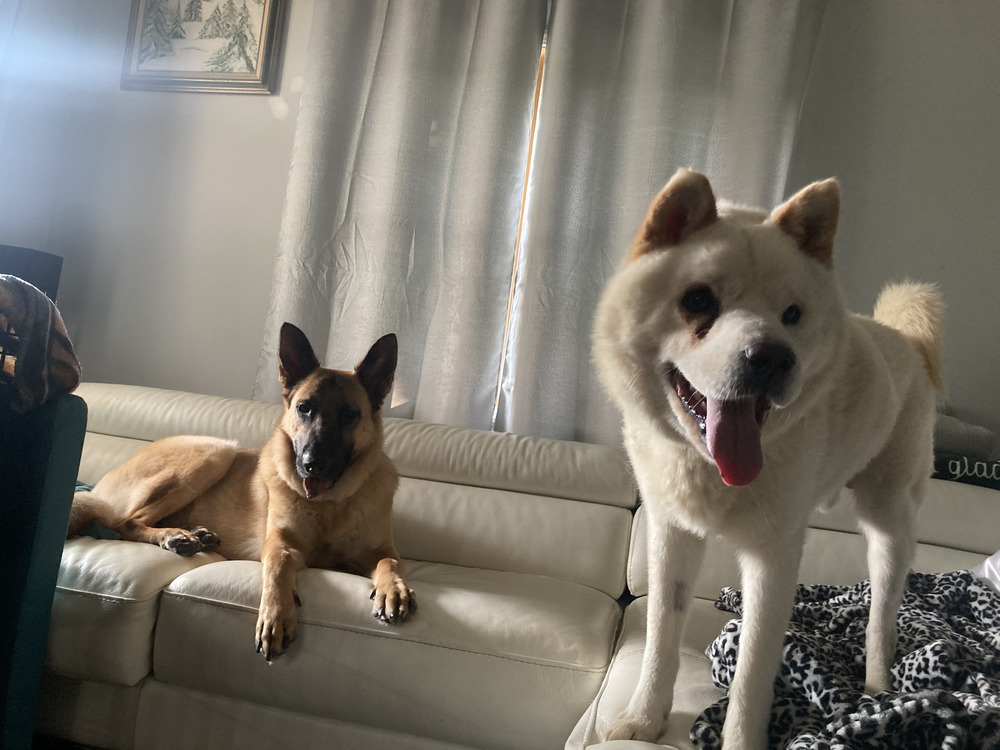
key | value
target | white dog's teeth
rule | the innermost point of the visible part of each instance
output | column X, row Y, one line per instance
column 682, row 387
column 694, row 413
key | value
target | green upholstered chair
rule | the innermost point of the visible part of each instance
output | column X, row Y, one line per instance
column 39, row 460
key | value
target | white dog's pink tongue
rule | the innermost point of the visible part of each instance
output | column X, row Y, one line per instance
column 732, row 435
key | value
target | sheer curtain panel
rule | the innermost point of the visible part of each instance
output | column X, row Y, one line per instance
column 408, row 170
column 404, row 194
column 631, row 91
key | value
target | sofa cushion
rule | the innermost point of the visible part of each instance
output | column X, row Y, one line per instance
column 540, row 466
column 506, row 656
column 107, row 597
column 498, row 529
column 124, row 418
column 939, row 520
column 142, row 413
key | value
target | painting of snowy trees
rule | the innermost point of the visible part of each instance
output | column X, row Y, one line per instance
column 202, row 45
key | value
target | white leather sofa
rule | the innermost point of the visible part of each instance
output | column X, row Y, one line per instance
column 516, row 548
column 525, row 555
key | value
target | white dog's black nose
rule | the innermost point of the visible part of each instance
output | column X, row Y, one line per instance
column 767, row 365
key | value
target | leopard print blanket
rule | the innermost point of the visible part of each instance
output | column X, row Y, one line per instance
column 947, row 671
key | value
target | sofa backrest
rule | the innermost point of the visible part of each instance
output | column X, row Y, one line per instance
column 958, row 526
column 466, row 497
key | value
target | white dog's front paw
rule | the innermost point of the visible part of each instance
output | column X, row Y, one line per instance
column 627, row 726
column 877, row 683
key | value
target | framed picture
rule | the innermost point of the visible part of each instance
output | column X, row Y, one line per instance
column 223, row 46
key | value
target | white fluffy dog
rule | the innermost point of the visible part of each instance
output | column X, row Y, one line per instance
column 749, row 396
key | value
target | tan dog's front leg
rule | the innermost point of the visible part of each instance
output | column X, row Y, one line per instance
column 277, row 614
column 393, row 598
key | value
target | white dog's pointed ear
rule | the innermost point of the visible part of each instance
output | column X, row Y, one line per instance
column 685, row 205
column 810, row 217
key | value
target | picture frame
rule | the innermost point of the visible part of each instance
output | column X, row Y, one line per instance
column 220, row 46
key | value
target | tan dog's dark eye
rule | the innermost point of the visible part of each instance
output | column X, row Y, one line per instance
column 699, row 300
column 350, row 417
column 304, row 408
column 791, row 315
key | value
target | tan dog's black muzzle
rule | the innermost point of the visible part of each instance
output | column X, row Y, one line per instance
column 320, row 466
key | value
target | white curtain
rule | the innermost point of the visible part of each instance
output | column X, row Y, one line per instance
column 404, row 194
column 632, row 91
column 408, row 169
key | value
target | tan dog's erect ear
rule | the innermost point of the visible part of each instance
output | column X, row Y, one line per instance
column 685, row 205
column 810, row 217
column 295, row 357
column 378, row 368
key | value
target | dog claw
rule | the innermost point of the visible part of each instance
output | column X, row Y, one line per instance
column 190, row 543
column 260, row 645
column 208, row 540
column 181, row 546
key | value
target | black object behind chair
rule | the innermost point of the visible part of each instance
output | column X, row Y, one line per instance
column 37, row 268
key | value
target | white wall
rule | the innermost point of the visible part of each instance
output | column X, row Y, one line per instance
column 904, row 107
column 165, row 206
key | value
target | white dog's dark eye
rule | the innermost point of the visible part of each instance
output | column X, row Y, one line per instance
column 699, row 300
column 791, row 315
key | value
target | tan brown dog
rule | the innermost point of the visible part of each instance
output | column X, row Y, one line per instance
column 318, row 494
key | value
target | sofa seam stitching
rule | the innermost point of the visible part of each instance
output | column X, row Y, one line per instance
column 110, row 597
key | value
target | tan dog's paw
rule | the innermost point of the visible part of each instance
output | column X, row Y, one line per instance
column 628, row 727
column 187, row 543
column 276, row 627
column 394, row 601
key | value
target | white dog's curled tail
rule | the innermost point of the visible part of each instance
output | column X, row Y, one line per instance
column 916, row 310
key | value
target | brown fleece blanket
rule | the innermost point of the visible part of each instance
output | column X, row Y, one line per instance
column 36, row 356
